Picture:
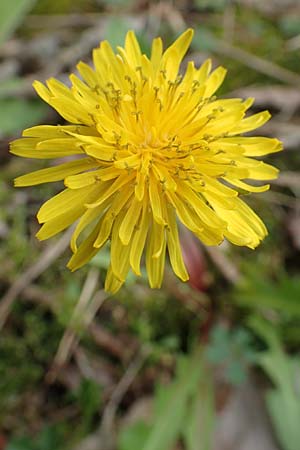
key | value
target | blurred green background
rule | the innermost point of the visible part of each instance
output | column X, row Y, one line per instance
column 209, row 365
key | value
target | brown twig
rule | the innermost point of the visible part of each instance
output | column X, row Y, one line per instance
column 256, row 62
column 109, row 342
column 109, row 413
column 229, row 19
column 96, row 368
column 103, row 438
column 228, row 269
column 293, row 43
column 287, row 132
column 289, row 179
column 278, row 198
column 84, row 312
column 65, row 20
column 194, row 300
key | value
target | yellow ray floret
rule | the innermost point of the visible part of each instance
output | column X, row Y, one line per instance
column 152, row 147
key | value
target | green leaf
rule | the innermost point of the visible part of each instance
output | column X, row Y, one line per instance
column 49, row 438
column 172, row 404
column 7, row 85
column 204, row 40
column 235, row 373
column 260, row 292
column 212, row 5
column 16, row 114
column 232, row 350
column 116, row 30
column 283, row 402
column 118, row 3
column 12, row 12
column 134, row 436
column 218, row 349
column 199, row 423
column 290, row 25
column 21, row 444
column 89, row 397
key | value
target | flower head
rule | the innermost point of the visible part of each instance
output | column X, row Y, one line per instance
column 152, row 146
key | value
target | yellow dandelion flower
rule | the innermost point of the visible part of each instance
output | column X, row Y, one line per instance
column 152, row 146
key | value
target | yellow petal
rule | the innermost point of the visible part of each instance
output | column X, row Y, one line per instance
column 85, row 179
column 155, row 266
column 205, row 213
column 72, row 111
column 91, row 77
column 104, row 231
column 131, row 217
column 61, row 202
column 112, row 284
column 251, row 123
column 42, row 91
column 174, row 248
column 255, row 146
column 132, row 49
column 171, row 65
column 263, row 172
column 180, row 46
column 109, row 173
column 118, row 204
column 215, row 199
column 85, row 251
column 138, row 241
column 246, row 186
column 210, row 236
column 119, row 252
column 55, row 173
column 159, row 244
column 114, row 187
column 243, row 225
column 155, row 202
column 217, row 187
column 139, row 189
column 25, row 147
column 58, row 89
column 101, row 152
column 204, row 71
column 57, row 131
column 214, row 81
column 165, row 178
column 60, row 222
column 130, row 162
column 156, row 52
column 185, row 213
column 88, row 217
column 50, row 148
